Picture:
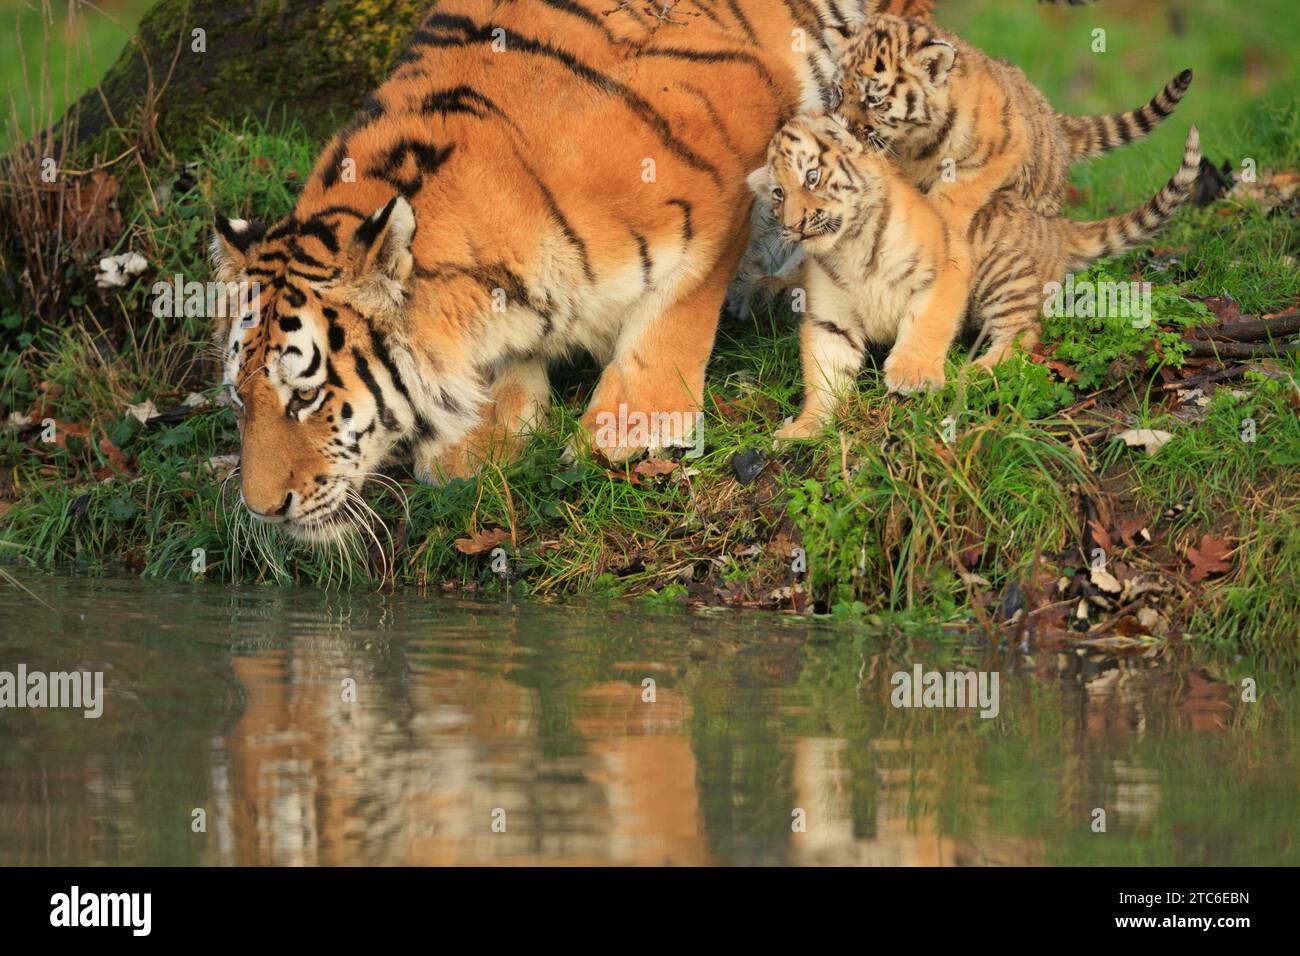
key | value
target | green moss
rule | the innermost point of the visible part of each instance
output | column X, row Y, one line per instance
column 317, row 60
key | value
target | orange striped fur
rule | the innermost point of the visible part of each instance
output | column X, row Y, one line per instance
column 536, row 178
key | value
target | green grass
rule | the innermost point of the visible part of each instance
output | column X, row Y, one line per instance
column 885, row 508
column 40, row 43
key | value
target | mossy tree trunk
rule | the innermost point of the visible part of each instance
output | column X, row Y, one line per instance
column 315, row 60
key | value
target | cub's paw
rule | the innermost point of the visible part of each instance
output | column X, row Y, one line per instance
column 801, row 429
column 991, row 359
column 907, row 374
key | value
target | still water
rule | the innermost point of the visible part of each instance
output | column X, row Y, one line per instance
column 292, row 727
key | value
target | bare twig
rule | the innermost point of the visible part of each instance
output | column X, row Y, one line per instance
column 1287, row 323
column 1201, row 348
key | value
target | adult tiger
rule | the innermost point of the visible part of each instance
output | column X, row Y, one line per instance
column 536, row 177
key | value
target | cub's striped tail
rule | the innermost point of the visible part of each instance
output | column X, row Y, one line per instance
column 921, row 9
column 1085, row 241
column 1090, row 136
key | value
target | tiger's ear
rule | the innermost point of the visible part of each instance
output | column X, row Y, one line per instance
column 234, row 242
column 379, row 260
column 936, row 58
column 759, row 182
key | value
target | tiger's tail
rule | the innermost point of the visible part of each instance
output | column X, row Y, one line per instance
column 1086, row 241
column 1090, row 136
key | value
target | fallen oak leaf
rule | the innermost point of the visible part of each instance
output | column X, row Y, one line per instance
column 1133, row 531
column 1209, row 558
column 1100, row 536
column 655, row 467
column 481, row 541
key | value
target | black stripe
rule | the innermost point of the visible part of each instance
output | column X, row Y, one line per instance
column 515, row 42
column 556, row 213
column 363, row 372
column 714, row 56
column 310, row 370
column 313, row 276
column 464, row 100
column 743, row 21
column 836, row 330
column 688, row 230
column 582, row 13
column 646, row 265
column 940, row 137
column 337, row 210
column 318, row 229
column 386, row 360
column 714, row 116
column 428, row 158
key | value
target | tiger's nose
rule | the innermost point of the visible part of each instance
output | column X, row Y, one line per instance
column 272, row 517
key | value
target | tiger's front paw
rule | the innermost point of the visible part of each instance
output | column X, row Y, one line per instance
column 801, row 429
column 908, row 374
column 436, row 464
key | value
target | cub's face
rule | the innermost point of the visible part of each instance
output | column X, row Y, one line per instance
column 811, row 179
column 307, row 363
column 893, row 79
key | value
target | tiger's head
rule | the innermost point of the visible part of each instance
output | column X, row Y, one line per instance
column 814, row 179
column 892, row 81
column 314, row 369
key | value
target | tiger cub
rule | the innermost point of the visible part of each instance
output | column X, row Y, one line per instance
column 881, row 266
column 1018, row 252
column 961, row 124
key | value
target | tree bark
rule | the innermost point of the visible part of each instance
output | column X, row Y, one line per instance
column 315, row 60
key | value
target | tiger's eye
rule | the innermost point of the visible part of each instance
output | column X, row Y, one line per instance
column 778, row 194
column 812, row 178
column 306, row 395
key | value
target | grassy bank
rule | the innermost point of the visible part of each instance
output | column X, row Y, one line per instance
column 982, row 507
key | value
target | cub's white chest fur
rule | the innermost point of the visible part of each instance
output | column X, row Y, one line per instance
column 872, row 306
column 875, row 295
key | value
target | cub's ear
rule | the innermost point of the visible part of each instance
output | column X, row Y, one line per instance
column 379, row 260
column 936, row 58
column 234, row 242
column 759, row 182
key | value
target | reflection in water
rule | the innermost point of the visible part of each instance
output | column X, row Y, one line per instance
column 364, row 729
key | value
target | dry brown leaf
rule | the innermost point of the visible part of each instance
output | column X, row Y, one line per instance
column 1129, row 530
column 1209, row 558
column 116, row 459
column 481, row 541
column 655, row 467
column 1063, row 370
column 1100, row 535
